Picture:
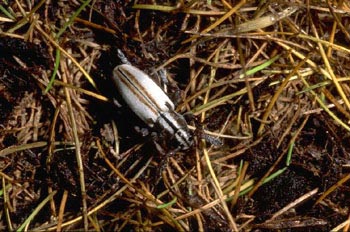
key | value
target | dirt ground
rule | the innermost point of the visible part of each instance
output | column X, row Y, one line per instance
column 263, row 86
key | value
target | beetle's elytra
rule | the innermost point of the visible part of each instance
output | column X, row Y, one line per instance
column 149, row 102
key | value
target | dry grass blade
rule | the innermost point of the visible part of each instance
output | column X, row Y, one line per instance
column 294, row 204
column 219, row 190
column 219, row 21
column 35, row 212
column 77, row 153
column 333, row 188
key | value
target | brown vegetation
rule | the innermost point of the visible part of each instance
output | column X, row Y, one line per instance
column 269, row 79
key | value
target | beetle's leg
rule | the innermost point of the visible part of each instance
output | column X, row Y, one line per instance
column 142, row 131
column 211, row 139
column 164, row 162
column 164, row 80
column 190, row 118
column 122, row 57
column 200, row 133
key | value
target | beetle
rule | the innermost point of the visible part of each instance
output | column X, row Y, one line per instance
column 149, row 102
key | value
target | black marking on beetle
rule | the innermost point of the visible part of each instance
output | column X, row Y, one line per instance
column 176, row 129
